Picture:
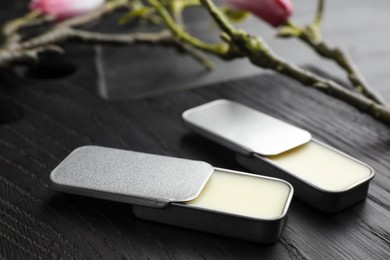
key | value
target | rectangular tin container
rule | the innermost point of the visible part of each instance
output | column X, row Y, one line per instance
column 254, row 136
column 158, row 187
column 263, row 231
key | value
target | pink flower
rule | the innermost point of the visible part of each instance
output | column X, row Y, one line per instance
column 63, row 9
column 274, row 12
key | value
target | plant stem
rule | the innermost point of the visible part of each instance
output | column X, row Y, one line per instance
column 235, row 44
column 329, row 87
column 311, row 35
column 11, row 29
column 13, row 26
column 319, row 13
column 260, row 55
column 220, row 49
column 344, row 61
column 66, row 34
column 177, row 8
column 196, row 54
column 28, row 50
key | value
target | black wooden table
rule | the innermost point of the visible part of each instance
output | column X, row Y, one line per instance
column 42, row 120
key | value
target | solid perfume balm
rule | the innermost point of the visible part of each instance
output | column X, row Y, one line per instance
column 323, row 177
column 322, row 166
column 243, row 195
column 179, row 192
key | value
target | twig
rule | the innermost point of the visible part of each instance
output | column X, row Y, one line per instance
column 196, row 54
column 260, row 54
column 65, row 34
column 61, row 35
column 235, row 44
column 344, row 61
column 28, row 50
column 12, row 28
column 319, row 13
column 311, row 35
column 142, row 12
column 220, row 49
column 14, row 25
column 177, row 8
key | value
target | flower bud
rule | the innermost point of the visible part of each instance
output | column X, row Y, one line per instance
column 274, row 12
column 63, row 9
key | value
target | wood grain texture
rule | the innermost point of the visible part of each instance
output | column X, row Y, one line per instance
column 58, row 116
column 41, row 121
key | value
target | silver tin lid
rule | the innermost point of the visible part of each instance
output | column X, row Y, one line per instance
column 131, row 177
column 244, row 129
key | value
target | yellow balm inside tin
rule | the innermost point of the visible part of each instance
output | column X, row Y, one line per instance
column 244, row 195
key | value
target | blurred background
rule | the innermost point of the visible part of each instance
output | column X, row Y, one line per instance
column 125, row 72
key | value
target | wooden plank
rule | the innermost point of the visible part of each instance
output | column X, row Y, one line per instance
column 60, row 116
column 41, row 121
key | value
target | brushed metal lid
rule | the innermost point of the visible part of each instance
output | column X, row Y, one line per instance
column 131, row 177
column 244, row 129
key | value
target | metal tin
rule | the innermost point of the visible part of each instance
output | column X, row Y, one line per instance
column 131, row 177
column 158, row 188
column 206, row 120
column 264, row 231
column 243, row 129
column 321, row 199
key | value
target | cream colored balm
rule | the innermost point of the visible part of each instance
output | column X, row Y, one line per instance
column 180, row 192
column 244, row 194
column 322, row 167
column 323, row 177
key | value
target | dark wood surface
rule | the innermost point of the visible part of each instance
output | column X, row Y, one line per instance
column 42, row 120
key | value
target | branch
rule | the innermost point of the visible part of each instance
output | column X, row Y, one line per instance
column 14, row 25
column 196, row 54
column 311, row 35
column 219, row 18
column 177, row 8
column 260, row 55
column 326, row 86
column 12, row 28
column 27, row 51
column 138, row 10
column 220, row 49
column 61, row 35
column 319, row 13
column 344, row 61
column 236, row 44
column 162, row 37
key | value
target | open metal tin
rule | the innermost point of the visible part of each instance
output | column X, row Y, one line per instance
column 179, row 191
column 323, row 177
